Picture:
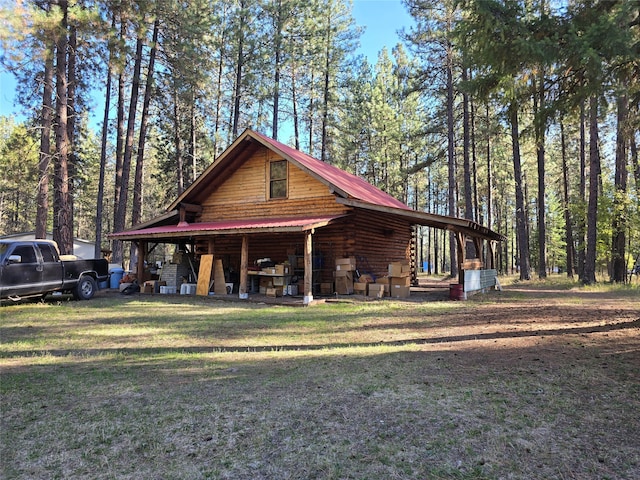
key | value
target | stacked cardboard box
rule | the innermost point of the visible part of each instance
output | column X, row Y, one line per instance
column 399, row 279
column 344, row 275
column 360, row 288
column 275, row 291
column 377, row 290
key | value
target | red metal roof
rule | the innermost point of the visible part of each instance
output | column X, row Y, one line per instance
column 350, row 184
column 284, row 224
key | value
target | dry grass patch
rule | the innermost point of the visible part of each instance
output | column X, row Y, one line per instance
column 526, row 385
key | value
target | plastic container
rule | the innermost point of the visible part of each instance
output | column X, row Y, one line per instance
column 116, row 275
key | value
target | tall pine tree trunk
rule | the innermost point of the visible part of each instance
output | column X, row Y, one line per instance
column 42, row 213
column 237, row 94
column 117, row 253
column 453, row 254
column 276, row 80
column 466, row 151
column 635, row 161
column 136, row 214
column 294, row 104
column 589, row 276
column 489, row 202
column 581, row 223
column 178, row 141
column 619, row 223
column 62, row 220
column 121, row 208
column 540, row 126
column 325, row 92
column 103, row 153
column 71, row 114
column 521, row 217
column 565, row 204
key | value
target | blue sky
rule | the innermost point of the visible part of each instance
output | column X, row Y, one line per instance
column 382, row 20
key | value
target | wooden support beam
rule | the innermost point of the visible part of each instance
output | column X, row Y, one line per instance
column 308, row 267
column 244, row 268
column 142, row 254
column 461, row 240
column 477, row 242
column 491, row 254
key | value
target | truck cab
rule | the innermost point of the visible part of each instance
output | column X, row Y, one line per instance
column 30, row 268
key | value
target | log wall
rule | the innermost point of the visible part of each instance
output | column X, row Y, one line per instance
column 375, row 239
column 245, row 194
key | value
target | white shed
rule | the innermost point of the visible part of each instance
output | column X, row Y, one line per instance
column 81, row 248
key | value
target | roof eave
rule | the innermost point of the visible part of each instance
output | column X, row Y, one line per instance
column 428, row 219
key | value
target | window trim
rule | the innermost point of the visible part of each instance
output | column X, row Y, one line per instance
column 271, row 180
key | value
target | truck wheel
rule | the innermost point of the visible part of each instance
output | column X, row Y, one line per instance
column 86, row 288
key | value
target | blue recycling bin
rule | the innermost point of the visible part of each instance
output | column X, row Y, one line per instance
column 425, row 266
column 116, row 275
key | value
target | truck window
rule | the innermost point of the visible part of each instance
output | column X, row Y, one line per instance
column 27, row 253
column 47, row 253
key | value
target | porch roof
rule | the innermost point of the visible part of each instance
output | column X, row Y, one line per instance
column 228, row 227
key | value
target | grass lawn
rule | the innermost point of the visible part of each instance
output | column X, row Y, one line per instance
column 541, row 381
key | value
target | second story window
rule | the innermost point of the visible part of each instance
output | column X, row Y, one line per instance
column 278, row 179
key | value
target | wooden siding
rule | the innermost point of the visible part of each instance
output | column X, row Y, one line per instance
column 381, row 239
column 245, row 194
column 375, row 240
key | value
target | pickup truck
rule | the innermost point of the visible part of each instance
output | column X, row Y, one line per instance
column 35, row 268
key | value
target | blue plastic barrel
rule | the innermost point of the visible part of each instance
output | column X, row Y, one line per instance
column 116, row 275
column 425, row 266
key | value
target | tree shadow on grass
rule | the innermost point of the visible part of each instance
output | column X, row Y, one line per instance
column 583, row 330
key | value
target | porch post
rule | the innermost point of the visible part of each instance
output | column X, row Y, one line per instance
column 491, row 254
column 462, row 240
column 308, row 267
column 244, row 268
column 142, row 254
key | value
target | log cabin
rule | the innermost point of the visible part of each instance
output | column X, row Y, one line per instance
column 263, row 199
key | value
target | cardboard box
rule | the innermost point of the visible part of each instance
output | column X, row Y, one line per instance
column 281, row 269
column 274, row 292
column 366, row 278
column 345, row 273
column 263, row 290
column 154, row 284
column 300, row 262
column 382, row 280
column 344, row 285
column 360, row 288
column 399, row 291
column 399, row 269
column 348, row 264
column 269, row 270
column 278, row 281
column 266, row 282
column 326, row 288
column 377, row 290
column 399, row 281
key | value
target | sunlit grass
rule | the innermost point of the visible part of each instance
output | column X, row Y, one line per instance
column 523, row 383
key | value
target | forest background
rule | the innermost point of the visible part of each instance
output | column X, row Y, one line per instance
column 519, row 114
